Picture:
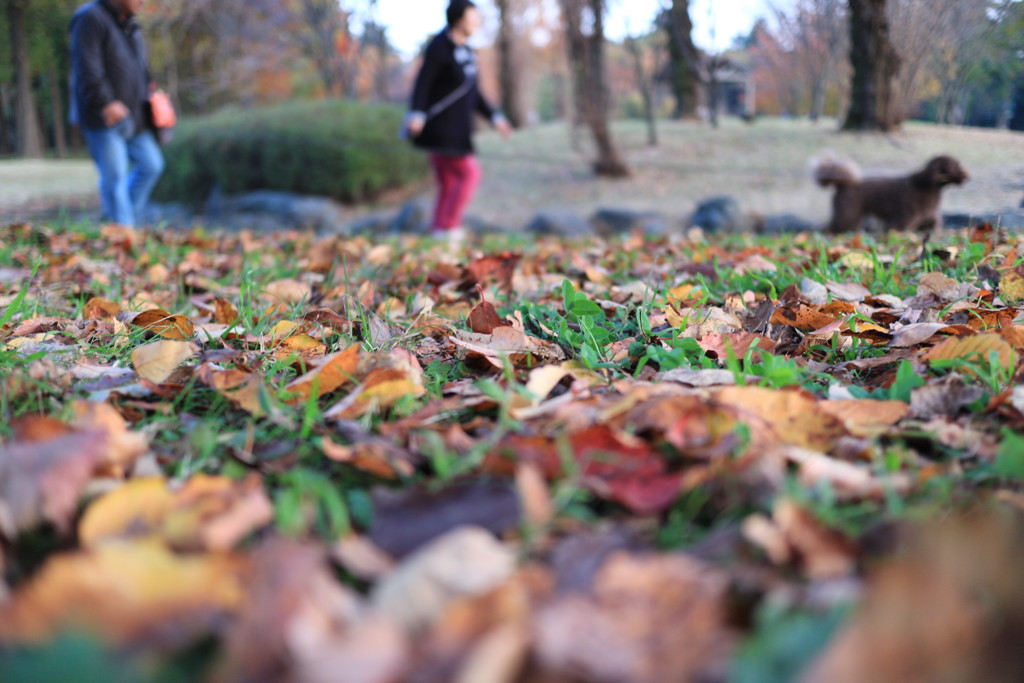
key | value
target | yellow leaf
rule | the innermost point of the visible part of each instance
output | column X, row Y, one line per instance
column 1011, row 286
column 977, row 348
column 121, row 592
column 332, row 373
column 788, row 417
column 137, row 508
column 156, row 362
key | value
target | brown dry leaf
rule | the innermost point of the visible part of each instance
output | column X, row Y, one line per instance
column 44, row 481
column 156, row 362
column 123, row 593
column 534, row 495
column 802, row 317
column 330, row 374
column 225, row 312
column 243, row 389
column 977, row 348
column 950, row 608
column 378, row 458
column 657, row 619
column 484, row 319
column 101, row 309
column 793, row 533
column 163, row 324
column 124, row 446
column 383, row 388
column 918, row 333
column 849, row 481
column 506, row 342
column 789, row 417
column 211, row 513
column 466, row 562
column 867, row 418
column 287, row 292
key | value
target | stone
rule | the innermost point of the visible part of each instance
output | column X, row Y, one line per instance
column 720, row 214
column 560, row 223
column 414, row 217
column 610, row 222
column 785, row 224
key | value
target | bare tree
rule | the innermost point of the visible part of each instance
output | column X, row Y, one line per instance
column 509, row 63
column 584, row 32
column 684, row 58
column 324, row 28
column 645, row 67
column 876, row 65
column 29, row 143
column 815, row 35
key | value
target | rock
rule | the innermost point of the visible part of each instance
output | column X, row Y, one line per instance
column 266, row 210
column 374, row 223
column 414, row 217
column 609, row 222
column 785, row 223
column 720, row 214
column 1008, row 219
column 463, row 563
column 560, row 223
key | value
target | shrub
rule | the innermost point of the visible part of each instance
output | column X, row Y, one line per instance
column 348, row 151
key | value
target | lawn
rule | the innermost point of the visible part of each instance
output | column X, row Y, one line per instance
column 283, row 457
column 766, row 166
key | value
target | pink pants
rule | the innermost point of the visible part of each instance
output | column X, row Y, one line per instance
column 457, row 180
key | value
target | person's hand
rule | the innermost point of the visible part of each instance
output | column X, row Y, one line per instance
column 504, row 128
column 114, row 113
column 416, row 125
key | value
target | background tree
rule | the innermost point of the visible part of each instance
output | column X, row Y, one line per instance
column 646, row 63
column 684, row 58
column 29, row 140
column 510, row 63
column 876, row 65
column 585, row 37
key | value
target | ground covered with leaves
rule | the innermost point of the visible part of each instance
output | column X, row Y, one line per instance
column 292, row 458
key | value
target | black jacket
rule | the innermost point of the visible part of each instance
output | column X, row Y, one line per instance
column 448, row 69
column 108, row 63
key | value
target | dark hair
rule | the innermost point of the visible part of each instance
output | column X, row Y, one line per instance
column 457, row 9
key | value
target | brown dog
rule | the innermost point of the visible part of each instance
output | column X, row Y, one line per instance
column 901, row 203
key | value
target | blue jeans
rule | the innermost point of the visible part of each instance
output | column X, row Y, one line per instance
column 130, row 164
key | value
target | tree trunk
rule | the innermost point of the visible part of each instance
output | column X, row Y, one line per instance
column 646, row 88
column 6, row 145
column 684, row 59
column 586, row 59
column 60, row 134
column 875, row 67
column 29, row 138
column 508, row 65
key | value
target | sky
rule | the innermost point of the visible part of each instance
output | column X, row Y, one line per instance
column 716, row 22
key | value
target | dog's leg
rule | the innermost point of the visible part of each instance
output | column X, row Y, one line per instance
column 929, row 227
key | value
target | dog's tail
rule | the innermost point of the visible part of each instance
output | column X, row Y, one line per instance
column 831, row 169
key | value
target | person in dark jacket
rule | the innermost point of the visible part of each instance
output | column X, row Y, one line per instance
column 444, row 103
column 110, row 91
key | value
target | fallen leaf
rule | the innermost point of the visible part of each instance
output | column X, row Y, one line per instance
column 100, row 309
column 44, row 481
column 243, row 389
column 163, row 324
column 789, row 417
column 124, row 446
column 330, row 374
column 122, row 593
column 465, row 562
column 209, row 513
column 978, row 348
column 156, row 362
column 866, row 418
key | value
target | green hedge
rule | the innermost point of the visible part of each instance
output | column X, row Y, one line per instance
column 345, row 150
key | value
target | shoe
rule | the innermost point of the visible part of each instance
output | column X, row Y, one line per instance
column 455, row 238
